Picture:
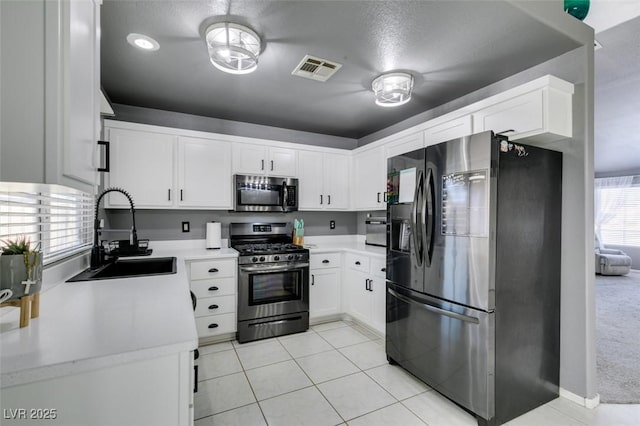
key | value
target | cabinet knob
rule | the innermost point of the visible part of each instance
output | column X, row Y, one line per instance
column 214, row 325
column 325, row 261
column 214, row 288
column 213, row 306
column 213, row 270
column 383, row 270
column 357, row 262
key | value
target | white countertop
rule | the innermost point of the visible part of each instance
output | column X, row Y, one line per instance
column 94, row 324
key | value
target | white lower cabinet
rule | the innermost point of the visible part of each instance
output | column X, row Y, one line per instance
column 366, row 289
column 154, row 391
column 325, row 288
column 214, row 283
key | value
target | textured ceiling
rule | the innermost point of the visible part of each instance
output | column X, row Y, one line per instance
column 451, row 47
column 617, row 99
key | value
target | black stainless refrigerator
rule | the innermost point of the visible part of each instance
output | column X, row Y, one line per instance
column 473, row 272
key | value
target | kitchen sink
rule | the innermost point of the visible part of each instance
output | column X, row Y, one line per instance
column 129, row 268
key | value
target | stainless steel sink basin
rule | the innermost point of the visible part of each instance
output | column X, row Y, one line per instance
column 129, row 268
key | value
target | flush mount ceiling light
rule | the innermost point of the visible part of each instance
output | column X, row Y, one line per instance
column 233, row 48
column 393, row 89
column 143, row 42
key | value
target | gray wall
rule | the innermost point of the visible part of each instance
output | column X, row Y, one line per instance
column 216, row 125
column 22, row 78
column 166, row 224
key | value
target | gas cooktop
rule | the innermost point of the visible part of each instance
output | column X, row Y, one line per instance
column 267, row 248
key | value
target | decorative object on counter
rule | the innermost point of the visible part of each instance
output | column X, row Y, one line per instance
column 577, row 8
column 21, row 275
column 392, row 89
column 213, row 238
column 298, row 232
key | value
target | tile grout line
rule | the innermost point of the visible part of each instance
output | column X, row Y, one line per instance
column 251, row 387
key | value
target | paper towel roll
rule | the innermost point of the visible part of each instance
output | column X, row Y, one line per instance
column 214, row 235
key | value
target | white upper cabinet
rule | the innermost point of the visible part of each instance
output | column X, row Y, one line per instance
column 163, row 170
column 253, row 159
column 370, row 171
column 204, row 173
column 451, row 129
column 405, row 144
column 541, row 115
column 143, row 164
column 324, row 181
column 51, row 83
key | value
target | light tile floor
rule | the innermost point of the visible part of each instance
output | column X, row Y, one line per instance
column 337, row 373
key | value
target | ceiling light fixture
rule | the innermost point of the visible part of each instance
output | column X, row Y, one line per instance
column 143, row 42
column 233, row 48
column 392, row 89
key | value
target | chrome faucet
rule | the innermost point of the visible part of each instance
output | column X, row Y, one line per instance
column 97, row 251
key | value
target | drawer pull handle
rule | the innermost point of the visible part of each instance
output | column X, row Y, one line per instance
column 214, row 288
column 213, row 307
column 358, row 262
column 214, row 325
column 213, row 270
column 383, row 270
column 325, row 261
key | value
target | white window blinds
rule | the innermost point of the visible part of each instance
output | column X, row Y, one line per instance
column 623, row 226
column 59, row 219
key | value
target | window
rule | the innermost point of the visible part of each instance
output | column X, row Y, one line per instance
column 622, row 223
column 59, row 219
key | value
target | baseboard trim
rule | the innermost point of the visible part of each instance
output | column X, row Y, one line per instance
column 583, row 402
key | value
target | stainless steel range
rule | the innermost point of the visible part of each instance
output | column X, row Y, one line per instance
column 273, row 281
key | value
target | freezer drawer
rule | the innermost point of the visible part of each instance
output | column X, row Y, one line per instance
column 449, row 347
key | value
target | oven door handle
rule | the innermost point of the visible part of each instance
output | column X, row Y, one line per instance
column 265, row 269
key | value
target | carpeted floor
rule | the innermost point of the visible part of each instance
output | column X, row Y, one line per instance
column 618, row 338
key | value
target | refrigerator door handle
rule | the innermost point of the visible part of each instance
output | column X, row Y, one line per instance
column 428, row 218
column 440, row 311
column 415, row 226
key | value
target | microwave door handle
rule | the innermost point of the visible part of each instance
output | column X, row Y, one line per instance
column 285, row 193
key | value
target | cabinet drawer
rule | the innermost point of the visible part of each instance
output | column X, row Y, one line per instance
column 203, row 269
column 215, row 305
column 357, row 262
column 214, row 288
column 213, row 325
column 325, row 260
column 378, row 267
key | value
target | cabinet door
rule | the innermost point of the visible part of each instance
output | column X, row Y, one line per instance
column 249, row 159
column 378, row 304
column 204, row 173
column 282, row 162
column 405, row 144
column 142, row 163
column 370, row 180
column 453, row 129
column 82, row 74
column 359, row 298
column 324, row 292
column 336, row 181
column 310, row 180
column 517, row 117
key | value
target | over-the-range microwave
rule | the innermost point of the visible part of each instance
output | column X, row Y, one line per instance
column 265, row 194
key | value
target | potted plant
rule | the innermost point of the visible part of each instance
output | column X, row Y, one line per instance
column 20, row 267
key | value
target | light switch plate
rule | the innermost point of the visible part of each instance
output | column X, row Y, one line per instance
column 185, row 226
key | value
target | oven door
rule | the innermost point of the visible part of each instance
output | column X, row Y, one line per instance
column 270, row 290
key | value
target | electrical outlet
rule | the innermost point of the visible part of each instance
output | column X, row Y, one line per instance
column 185, row 226
column 332, row 224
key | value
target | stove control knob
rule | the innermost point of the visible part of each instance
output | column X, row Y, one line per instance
column 254, row 259
column 276, row 258
column 299, row 256
column 289, row 257
column 261, row 258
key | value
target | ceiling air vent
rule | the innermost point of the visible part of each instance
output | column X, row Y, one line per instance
column 315, row 68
